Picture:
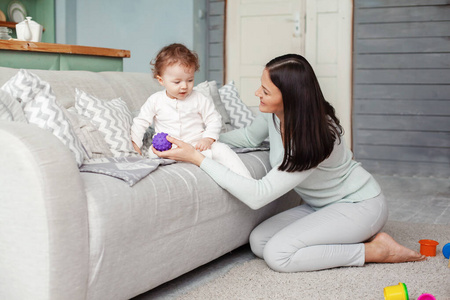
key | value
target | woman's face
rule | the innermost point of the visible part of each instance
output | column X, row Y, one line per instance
column 271, row 100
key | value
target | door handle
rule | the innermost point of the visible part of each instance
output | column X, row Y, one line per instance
column 296, row 21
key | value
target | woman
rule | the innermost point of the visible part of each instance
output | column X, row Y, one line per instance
column 344, row 207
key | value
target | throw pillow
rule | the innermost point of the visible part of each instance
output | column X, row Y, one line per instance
column 41, row 108
column 10, row 109
column 240, row 114
column 5, row 113
column 112, row 118
column 91, row 138
column 209, row 89
column 218, row 102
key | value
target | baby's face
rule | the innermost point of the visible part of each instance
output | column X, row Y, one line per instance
column 178, row 81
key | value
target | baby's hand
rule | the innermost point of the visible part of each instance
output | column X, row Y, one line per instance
column 138, row 150
column 204, row 144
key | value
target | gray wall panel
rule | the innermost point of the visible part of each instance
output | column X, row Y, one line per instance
column 401, row 86
column 402, row 61
column 215, row 56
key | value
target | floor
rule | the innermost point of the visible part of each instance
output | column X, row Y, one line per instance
column 410, row 199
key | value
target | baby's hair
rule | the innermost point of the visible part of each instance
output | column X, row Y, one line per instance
column 172, row 54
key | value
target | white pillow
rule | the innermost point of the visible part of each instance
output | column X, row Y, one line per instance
column 209, row 89
column 112, row 118
column 10, row 109
column 240, row 114
column 41, row 108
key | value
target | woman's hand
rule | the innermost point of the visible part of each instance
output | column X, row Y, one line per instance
column 183, row 152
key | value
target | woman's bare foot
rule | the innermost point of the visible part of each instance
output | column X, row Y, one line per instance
column 384, row 249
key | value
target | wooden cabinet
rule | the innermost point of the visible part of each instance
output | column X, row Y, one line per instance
column 42, row 11
column 47, row 56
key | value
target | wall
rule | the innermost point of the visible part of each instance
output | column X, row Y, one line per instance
column 401, row 93
column 141, row 26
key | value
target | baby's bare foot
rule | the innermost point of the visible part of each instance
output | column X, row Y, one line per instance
column 383, row 248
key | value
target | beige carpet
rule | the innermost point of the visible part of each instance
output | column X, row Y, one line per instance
column 254, row 280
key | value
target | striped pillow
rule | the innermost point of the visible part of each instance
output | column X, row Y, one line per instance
column 240, row 114
column 41, row 108
column 91, row 138
column 112, row 118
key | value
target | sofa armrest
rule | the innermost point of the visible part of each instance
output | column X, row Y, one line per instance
column 44, row 250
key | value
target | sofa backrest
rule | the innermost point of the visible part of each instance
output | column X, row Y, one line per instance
column 133, row 88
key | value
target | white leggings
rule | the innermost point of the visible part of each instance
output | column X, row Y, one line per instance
column 303, row 239
column 223, row 154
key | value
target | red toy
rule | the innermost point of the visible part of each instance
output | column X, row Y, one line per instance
column 428, row 247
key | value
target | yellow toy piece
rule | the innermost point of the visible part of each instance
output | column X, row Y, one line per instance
column 396, row 292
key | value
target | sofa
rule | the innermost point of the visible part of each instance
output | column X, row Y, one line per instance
column 66, row 234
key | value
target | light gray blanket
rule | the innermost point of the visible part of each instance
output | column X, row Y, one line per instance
column 133, row 169
column 129, row 169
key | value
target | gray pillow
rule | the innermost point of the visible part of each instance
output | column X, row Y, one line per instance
column 209, row 90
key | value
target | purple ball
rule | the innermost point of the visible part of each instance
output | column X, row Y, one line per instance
column 160, row 142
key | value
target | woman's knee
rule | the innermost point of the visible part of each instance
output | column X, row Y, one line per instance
column 277, row 259
column 257, row 242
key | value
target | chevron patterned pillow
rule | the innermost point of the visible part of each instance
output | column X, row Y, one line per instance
column 10, row 109
column 91, row 138
column 41, row 108
column 240, row 114
column 112, row 118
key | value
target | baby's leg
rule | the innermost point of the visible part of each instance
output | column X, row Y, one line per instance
column 150, row 154
column 207, row 153
column 223, row 154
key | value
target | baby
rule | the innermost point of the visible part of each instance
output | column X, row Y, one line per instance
column 181, row 112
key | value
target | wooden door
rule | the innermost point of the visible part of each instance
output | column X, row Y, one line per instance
column 329, row 51
column 257, row 31
column 321, row 30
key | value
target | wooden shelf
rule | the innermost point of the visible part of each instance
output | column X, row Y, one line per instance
column 8, row 24
column 61, row 48
column 11, row 25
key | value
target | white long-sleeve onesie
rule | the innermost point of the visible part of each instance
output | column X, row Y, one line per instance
column 188, row 120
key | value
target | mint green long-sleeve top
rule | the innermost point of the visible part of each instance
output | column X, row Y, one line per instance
column 336, row 179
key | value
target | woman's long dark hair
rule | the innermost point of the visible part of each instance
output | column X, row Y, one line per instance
column 310, row 124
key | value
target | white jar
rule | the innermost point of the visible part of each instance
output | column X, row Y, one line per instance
column 29, row 30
